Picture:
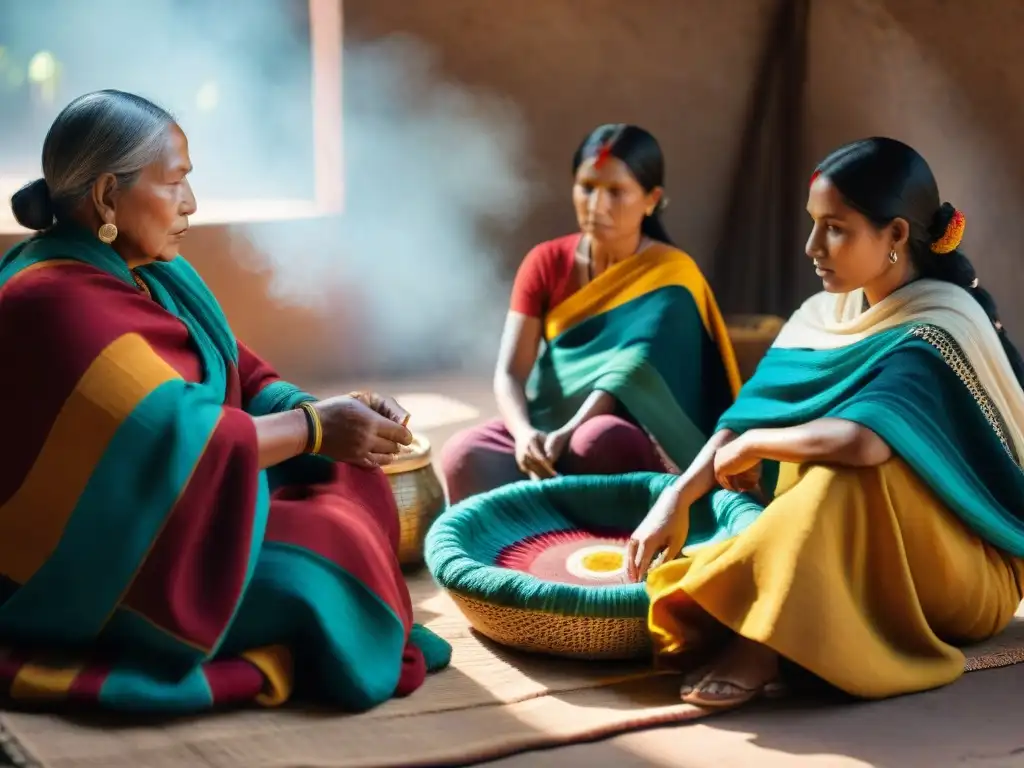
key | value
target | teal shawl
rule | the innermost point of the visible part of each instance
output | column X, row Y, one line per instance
column 178, row 288
column 648, row 332
column 175, row 285
column 915, row 386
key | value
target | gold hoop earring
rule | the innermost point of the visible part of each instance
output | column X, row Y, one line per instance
column 893, row 256
column 107, row 233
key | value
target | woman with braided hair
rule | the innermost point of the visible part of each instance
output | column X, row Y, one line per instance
column 883, row 434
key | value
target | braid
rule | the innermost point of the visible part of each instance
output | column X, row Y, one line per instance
column 935, row 261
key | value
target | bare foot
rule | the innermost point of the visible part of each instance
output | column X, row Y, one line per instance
column 744, row 671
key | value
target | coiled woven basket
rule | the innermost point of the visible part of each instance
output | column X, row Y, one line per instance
column 419, row 496
column 514, row 562
column 751, row 336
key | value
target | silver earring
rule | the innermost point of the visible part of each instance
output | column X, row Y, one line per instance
column 893, row 256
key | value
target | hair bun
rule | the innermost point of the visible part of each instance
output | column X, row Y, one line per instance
column 947, row 229
column 32, row 205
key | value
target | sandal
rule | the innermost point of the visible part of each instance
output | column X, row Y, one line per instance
column 721, row 694
column 692, row 679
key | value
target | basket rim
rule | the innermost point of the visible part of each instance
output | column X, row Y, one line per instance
column 456, row 570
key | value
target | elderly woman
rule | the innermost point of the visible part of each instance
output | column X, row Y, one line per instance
column 886, row 430
column 179, row 525
column 614, row 355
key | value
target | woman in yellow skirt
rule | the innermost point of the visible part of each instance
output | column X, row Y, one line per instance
column 883, row 431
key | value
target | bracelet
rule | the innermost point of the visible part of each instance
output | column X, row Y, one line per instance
column 316, row 429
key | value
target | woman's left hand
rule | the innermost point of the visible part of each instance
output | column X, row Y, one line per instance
column 555, row 444
column 736, row 466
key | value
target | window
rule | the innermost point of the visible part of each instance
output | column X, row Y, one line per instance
column 256, row 86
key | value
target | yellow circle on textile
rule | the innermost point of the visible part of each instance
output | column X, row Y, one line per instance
column 600, row 561
column 603, row 562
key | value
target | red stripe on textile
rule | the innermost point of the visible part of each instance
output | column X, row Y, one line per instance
column 233, row 680
column 520, row 555
column 89, row 682
column 254, row 373
column 233, row 395
column 192, row 579
column 351, row 522
column 53, row 324
column 414, row 671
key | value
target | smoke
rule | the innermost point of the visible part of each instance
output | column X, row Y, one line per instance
column 432, row 181
column 432, row 169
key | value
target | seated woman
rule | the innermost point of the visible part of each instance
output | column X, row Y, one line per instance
column 179, row 528
column 886, row 425
column 633, row 339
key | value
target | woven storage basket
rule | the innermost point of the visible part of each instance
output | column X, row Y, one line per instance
column 467, row 543
column 751, row 335
column 419, row 497
column 485, row 553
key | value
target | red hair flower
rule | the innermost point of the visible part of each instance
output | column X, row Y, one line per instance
column 953, row 235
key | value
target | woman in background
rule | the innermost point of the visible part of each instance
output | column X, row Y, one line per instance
column 185, row 528
column 890, row 410
column 636, row 356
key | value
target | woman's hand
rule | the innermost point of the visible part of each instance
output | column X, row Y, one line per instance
column 531, row 457
column 737, row 468
column 387, row 407
column 555, row 444
column 357, row 433
column 663, row 530
column 666, row 525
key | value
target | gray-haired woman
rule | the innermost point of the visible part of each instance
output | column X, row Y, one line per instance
column 187, row 528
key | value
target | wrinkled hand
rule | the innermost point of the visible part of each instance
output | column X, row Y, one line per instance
column 531, row 457
column 662, row 531
column 555, row 444
column 387, row 407
column 356, row 433
column 736, row 469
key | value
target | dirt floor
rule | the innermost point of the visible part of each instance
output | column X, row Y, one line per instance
column 974, row 722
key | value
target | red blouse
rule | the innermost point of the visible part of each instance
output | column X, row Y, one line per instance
column 546, row 278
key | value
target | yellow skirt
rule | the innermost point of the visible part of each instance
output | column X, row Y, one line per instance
column 861, row 576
